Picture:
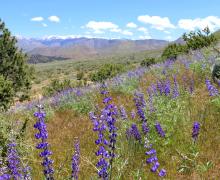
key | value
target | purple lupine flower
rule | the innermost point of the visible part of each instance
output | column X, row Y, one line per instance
column 43, row 135
column 213, row 91
column 140, row 105
column 159, row 129
column 103, row 124
column 153, row 158
column 154, row 88
column 133, row 114
column 13, row 162
column 75, row 161
column 155, row 166
column 191, row 87
column 152, row 151
column 162, row 173
column 195, row 130
column 123, row 113
column 136, row 134
column 167, row 87
column 175, row 88
column 160, row 87
column 26, row 173
column 150, row 100
column 145, row 128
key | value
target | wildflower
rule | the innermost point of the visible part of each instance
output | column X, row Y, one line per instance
column 133, row 114
column 191, row 88
column 140, row 105
column 160, row 87
column 104, row 124
column 167, row 87
column 150, row 100
column 43, row 135
column 159, row 129
column 175, row 88
column 13, row 162
column 212, row 89
column 162, row 173
column 123, row 113
column 195, row 130
column 75, row 161
column 153, row 158
column 145, row 128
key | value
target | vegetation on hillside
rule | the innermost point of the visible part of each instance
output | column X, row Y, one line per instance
column 193, row 40
column 139, row 120
column 15, row 74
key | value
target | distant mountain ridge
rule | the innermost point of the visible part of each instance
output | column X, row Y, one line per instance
column 77, row 48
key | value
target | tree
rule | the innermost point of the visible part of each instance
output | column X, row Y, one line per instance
column 199, row 39
column 13, row 68
column 148, row 61
column 173, row 50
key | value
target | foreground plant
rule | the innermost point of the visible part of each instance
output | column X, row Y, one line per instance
column 195, row 131
column 75, row 161
column 43, row 145
column 105, row 124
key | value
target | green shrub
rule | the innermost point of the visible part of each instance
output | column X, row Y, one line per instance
column 79, row 75
column 57, row 86
column 173, row 50
column 107, row 71
column 14, row 69
column 6, row 93
column 199, row 39
column 148, row 61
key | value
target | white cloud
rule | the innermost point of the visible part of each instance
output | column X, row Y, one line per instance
column 54, row 19
column 97, row 26
column 167, row 32
column 127, row 33
column 44, row 24
column 145, row 37
column 156, row 22
column 39, row 18
column 131, row 25
column 168, row 38
column 212, row 22
column 143, row 29
column 117, row 30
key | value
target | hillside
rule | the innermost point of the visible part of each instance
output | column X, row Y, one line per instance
column 78, row 48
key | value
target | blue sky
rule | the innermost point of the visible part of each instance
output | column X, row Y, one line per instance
column 130, row 19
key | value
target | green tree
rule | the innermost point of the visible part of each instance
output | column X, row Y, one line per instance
column 173, row 50
column 199, row 39
column 13, row 68
column 148, row 61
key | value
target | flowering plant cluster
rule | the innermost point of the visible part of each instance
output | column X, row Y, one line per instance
column 75, row 161
column 43, row 145
column 213, row 91
column 152, row 159
column 105, row 124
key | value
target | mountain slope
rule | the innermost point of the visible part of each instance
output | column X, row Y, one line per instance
column 77, row 48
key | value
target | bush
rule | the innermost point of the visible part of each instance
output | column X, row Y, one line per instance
column 107, row 71
column 148, row 61
column 199, row 39
column 79, row 75
column 173, row 50
column 6, row 93
column 57, row 86
column 216, row 71
column 13, row 69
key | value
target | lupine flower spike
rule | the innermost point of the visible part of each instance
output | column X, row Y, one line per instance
column 43, row 135
column 75, row 161
column 195, row 131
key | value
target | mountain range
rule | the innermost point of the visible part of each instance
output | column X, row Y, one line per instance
column 78, row 48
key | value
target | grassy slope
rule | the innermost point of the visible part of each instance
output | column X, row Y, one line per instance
column 67, row 69
column 176, row 152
